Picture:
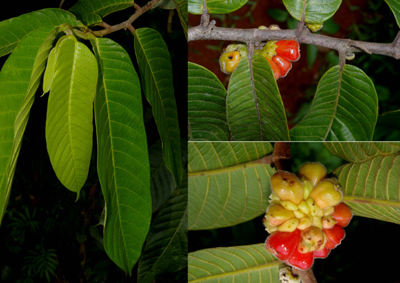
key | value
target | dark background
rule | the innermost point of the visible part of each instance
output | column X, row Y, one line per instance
column 43, row 218
column 368, row 253
column 355, row 19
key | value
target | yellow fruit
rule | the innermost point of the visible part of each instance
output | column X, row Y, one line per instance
column 229, row 61
column 315, row 27
column 312, row 239
column 313, row 171
column 327, row 193
column 304, row 223
column 308, row 187
column 328, row 222
column 289, row 225
column 287, row 186
column 276, row 215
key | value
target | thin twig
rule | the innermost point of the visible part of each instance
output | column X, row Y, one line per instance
column 300, row 26
column 61, row 3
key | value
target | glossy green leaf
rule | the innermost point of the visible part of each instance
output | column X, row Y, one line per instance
column 371, row 188
column 50, row 70
column 394, row 5
column 215, row 6
column 206, row 105
column 358, row 152
column 122, row 158
column 13, row 30
column 166, row 247
column 156, row 76
column 162, row 183
column 182, row 8
column 255, row 109
column 317, row 11
column 69, row 128
column 19, row 80
column 228, row 183
column 345, row 108
column 234, row 264
column 92, row 11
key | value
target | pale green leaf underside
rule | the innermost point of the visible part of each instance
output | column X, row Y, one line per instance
column 345, row 108
column 182, row 8
column 156, row 76
column 372, row 188
column 19, row 80
column 395, row 7
column 69, row 126
column 92, row 11
column 225, row 188
column 167, row 243
column 317, row 11
column 50, row 70
column 206, row 105
column 215, row 6
column 255, row 109
column 122, row 158
column 360, row 152
column 234, row 264
column 14, row 29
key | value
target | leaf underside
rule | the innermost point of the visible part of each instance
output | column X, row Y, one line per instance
column 215, row 6
column 220, row 194
column 316, row 11
column 122, row 158
column 69, row 127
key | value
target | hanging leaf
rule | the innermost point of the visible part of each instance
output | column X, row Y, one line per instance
column 371, row 189
column 345, row 108
column 316, row 11
column 362, row 151
column 255, row 109
column 166, row 247
column 182, row 8
column 394, row 5
column 13, row 30
column 215, row 6
column 206, row 105
column 156, row 77
column 228, row 183
column 234, row 264
column 19, row 80
column 122, row 158
column 69, row 126
column 92, row 11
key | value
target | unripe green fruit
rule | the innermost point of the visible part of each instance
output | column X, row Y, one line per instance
column 315, row 27
column 287, row 186
column 313, row 171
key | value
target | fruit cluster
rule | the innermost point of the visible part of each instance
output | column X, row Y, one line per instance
column 305, row 217
column 279, row 54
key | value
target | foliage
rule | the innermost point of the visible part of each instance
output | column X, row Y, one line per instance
column 84, row 74
column 369, row 179
column 348, row 104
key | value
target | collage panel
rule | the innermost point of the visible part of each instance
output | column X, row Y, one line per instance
column 270, row 212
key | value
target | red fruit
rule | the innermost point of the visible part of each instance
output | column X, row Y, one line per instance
column 288, row 49
column 342, row 215
column 283, row 64
column 334, row 236
column 282, row 244
column 301, row 260
column 275, row 68
column 322, row 253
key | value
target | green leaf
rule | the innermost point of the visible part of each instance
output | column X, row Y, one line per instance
column 215, row 6
column 371, row 188
column 385, row 122
column 278, row 14
column 156, row 76
column 69, row 127
column 13, row 30
column 50, row 70
column 228, row 183
column 167, row 243
column 122, row 158
column 316, row 11
column 206, row 105
column 345, row 108
column 394, row 5
column 358, row 152
column 312, row 52
column 19, row 80
column 162, row 183
column 182, row 8
column 255, row 109
column 92, row 11
column 234, row 264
